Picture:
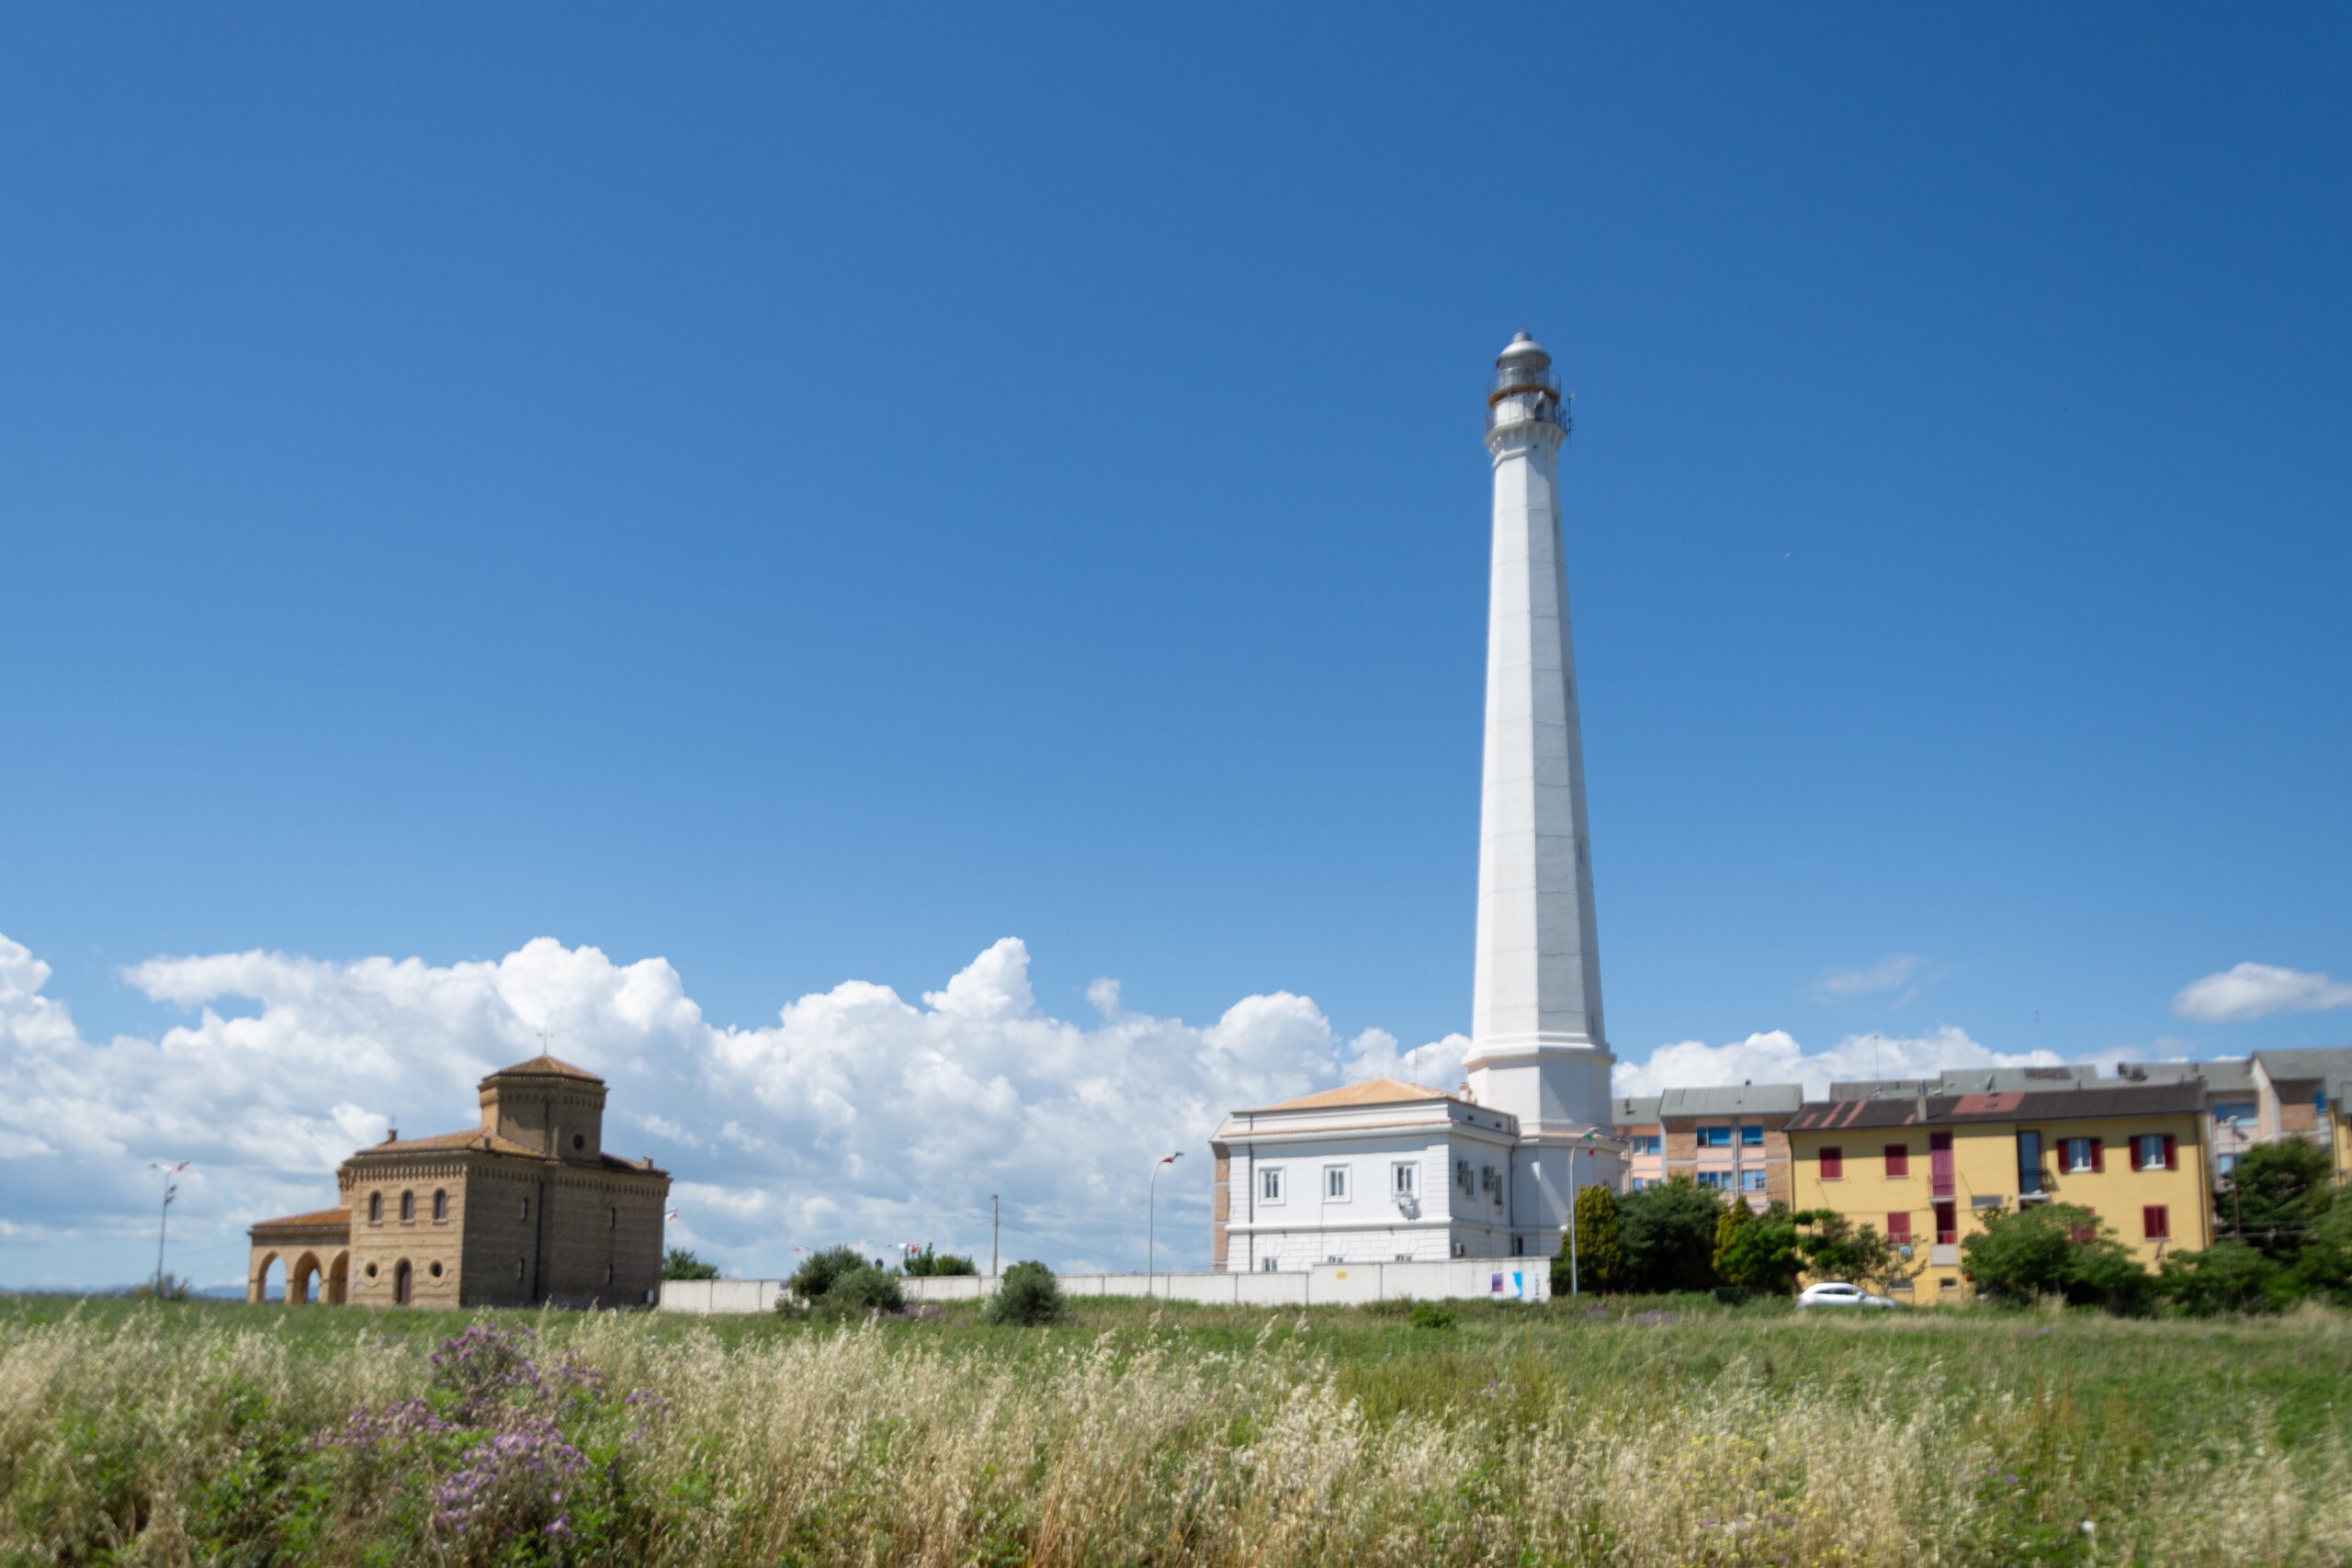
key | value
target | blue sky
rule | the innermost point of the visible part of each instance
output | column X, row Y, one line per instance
column 804, row 498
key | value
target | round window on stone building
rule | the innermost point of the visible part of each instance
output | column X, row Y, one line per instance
column 436, row 1270
column 371, row 1271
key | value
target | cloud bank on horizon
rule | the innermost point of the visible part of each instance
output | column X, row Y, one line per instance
column 856, row 1116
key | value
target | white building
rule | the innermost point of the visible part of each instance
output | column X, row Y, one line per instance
column 1315, row 1181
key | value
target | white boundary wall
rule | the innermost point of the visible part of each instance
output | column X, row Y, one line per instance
column 1329, row 1284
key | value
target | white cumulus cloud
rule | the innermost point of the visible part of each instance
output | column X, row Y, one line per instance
column 1775, row 1056
column 857, row 1113
column 2257, row 990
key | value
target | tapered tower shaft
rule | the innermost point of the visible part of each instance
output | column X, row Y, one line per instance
column 1538, row 1045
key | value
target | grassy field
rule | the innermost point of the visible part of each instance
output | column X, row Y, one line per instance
column 1643, row 1432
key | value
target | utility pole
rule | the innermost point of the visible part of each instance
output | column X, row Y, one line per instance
column 993, row 1271
column 163, row 1215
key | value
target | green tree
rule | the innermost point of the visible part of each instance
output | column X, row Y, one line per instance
column 1600, row 1249
column 1761, row 1252
column 1668, row 1232
column 1027, row 1294
column 2277, row 1195
column 2054, row 1249
column 2325, row 1265
column 1833, row 1248
column 679, row 1264
column 925, row 1264
column 2229, row 1276
column 817, row 1273
column 1736, row 1217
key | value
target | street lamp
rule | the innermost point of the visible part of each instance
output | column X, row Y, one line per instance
column 1151, row 1220
column 163, row 1215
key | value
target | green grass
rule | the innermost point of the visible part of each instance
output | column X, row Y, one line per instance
column 1627, row 1431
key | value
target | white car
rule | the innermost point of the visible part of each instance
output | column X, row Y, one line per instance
column 1832, row 1294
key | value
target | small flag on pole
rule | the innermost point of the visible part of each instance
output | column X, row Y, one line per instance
column 671, row 1216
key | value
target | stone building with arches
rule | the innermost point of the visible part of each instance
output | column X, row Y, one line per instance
column 527, row 1208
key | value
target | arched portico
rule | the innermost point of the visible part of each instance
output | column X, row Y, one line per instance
column 315, row 1250
column 257, row 1275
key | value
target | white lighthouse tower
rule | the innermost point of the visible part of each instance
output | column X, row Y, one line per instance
column 1537, row 1046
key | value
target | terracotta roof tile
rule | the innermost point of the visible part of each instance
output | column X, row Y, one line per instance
column 1372, row 1091
column 545, row 1066
column 471, row 1138
column 318, row 1219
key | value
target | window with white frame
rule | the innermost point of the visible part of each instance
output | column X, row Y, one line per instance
column 2078, row 1153
column 1715, row 1180
column 2151, row 1147
column 1403, row 1176
column 1335, row 1183
column 1270, row 1184
column 1751, row 1181
column 1269, row 1265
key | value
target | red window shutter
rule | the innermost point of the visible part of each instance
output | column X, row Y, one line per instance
column 1899, row 1229
column 1833, row 1164
column 2172, row 1153
column 2155, row 1224
column 2098, row 1154
column 1898, row 1159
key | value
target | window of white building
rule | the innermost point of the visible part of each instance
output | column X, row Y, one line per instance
column 1270, row 1184
column 1462, row 1175
column 1269, row 1265
column 1402, row 1176
column 1335, row 1182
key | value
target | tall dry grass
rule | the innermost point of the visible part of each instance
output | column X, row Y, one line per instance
column 124, row 1441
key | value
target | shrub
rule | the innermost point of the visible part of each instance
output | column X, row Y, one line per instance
column 2277, row 1195
column 1833, row 1248
column 1429, row 1314
column 679, row 1264
column 1669, row 1236
column 925, row 1264
column 1758, row 1253
column 2054, row 1249
column 1027, row 1294
column 2230, row 1276
column 861, row 1293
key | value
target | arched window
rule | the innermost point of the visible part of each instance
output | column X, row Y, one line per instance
column 526, row 1208
column 408, row 1207
column 440, row 1207
column 403, row 1290
column 613, row 1218
column 519, row 1264
column 375, row 1208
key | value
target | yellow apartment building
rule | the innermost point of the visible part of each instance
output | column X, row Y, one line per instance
column 1925, row 1170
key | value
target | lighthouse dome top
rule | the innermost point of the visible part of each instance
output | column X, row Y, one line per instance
column 1523, row 350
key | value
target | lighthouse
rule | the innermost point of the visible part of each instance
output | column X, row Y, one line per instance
column 1538, row 1048
column 1382, row 1170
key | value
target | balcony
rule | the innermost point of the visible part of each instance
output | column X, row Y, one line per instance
column 1527, row 405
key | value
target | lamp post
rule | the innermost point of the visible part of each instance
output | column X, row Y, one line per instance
column 163, row 1215
column 1151, row 1221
